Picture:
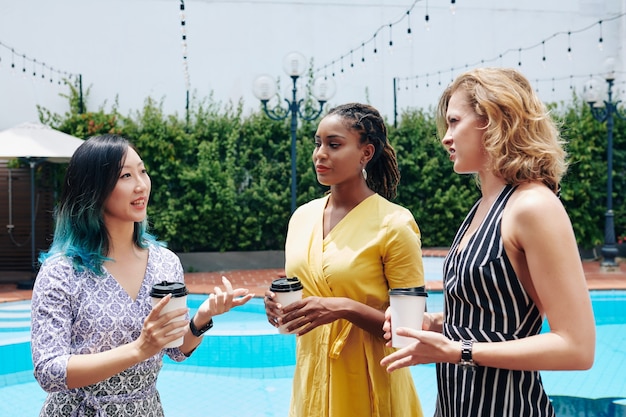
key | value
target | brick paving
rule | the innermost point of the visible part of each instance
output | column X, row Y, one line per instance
column 258, row 280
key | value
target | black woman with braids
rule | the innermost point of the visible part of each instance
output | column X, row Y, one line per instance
column 348, row 248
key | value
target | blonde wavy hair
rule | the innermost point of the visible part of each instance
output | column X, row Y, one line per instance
column 521, row 138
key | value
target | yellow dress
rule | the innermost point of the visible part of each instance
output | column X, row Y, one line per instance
column 376, row 246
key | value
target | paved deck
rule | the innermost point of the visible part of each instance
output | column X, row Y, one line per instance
column 258, row 280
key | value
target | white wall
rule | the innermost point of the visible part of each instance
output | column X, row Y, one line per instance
column 127, row 50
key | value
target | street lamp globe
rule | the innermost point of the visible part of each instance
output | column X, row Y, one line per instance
column 324, row 88
column 264, row 87
column 592, row 92
column 294, row 64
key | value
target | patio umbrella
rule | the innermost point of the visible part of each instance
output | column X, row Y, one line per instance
column 36, row 143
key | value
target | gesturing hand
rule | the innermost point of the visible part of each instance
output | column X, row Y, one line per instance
column 222, row 301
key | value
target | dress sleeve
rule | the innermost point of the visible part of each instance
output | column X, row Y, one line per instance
column 402, row 256
column 51, row 325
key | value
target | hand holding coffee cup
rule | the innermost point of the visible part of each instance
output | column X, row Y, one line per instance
column 178, row 300
column 286, row 291
column 407, row 306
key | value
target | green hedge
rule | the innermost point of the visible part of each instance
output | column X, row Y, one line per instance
column 221, row 178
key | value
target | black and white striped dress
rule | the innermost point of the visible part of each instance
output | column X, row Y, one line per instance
column 485, row 302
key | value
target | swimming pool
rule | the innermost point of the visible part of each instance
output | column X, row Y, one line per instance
column 251, row 367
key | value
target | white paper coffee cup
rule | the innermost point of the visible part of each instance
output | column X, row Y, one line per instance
column 179, row 300
column 407, row 310
column 287, row 291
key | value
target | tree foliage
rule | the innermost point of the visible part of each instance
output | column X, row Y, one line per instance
column 221, row 179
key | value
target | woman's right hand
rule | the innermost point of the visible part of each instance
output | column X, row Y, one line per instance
column 159, row 330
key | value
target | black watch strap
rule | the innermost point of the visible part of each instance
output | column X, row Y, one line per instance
column 199, row 332
column 466, row 353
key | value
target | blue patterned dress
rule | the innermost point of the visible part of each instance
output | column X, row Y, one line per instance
column 77, row 313
column 484, row 301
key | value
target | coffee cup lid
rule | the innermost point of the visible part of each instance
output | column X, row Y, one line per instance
column 286, row 284
column 419, row 291
column 161, row 289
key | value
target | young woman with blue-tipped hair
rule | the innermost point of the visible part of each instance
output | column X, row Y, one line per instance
column 97, row 342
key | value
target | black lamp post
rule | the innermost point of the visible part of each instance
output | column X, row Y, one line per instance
column 605, row 114
column 323, row 90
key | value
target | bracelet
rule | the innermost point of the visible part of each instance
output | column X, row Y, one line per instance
column 199, row 332
column 466, row 354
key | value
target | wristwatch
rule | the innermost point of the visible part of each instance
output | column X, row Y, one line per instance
column 466, row 354
column 199, row 332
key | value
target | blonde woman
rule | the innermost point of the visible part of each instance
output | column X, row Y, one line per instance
column 513, row 261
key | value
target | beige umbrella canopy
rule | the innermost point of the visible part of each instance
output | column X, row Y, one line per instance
column 36, row 143
column 36, row 140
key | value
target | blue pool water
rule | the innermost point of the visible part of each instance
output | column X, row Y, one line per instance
column 244, row 367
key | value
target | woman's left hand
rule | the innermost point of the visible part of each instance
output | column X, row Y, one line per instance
column 310, row 312
column 222, row 301
column 429, row 347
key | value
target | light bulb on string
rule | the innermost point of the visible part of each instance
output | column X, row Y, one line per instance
column 409, row 36
column 375, row 48
column 363, row 54
column 543, row 58
column 569, row 45
column 426, row 17
column 600, row 39
column 519, row 57
column 453, row 6
column 351, row 61
column 390, row 40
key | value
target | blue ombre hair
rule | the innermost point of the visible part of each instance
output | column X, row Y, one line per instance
column 80, row 232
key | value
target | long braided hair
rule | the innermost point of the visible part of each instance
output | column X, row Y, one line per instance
column 382, row 170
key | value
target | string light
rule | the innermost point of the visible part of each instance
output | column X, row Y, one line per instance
column 543, row 51
column 35, row 64
column 569, row 45
column 542, row 44
column 408, row 29
column 183, row 29
column 600, row 39
column 452, row 6
column 373, row 39
column 390, row 40
column 427, row 18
